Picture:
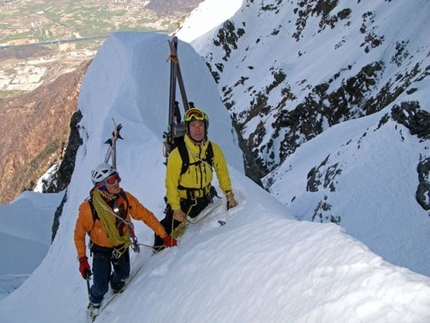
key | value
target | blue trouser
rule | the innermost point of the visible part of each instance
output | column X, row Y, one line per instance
column 103, row 261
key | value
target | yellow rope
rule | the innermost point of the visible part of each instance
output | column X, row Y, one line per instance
column 105, row 215
column 180, row 229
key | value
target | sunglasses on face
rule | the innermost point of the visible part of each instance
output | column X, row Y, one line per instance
column 113, row 180
column 194, row 114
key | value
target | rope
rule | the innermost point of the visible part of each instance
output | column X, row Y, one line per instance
column 198, row 158
column 180, row 229
column 105, row 214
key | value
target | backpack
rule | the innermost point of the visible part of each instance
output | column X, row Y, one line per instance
column 186, row 160
column 94, row 212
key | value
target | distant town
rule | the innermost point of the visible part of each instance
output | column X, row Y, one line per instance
column 40, row 41
column 18, row 76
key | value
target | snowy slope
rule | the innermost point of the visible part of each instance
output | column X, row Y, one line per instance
column 207, row 16
column 374, row 199
column 331, row 80
column 25, row 236
column 261, row 266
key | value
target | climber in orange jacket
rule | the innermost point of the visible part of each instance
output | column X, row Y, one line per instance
column 105, row 217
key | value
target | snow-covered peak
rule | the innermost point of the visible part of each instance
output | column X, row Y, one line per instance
column 331, row 104
column 262, row 265
column 207, row 16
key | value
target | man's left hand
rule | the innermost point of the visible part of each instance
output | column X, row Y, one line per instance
column 231, row 202
column 179, row 215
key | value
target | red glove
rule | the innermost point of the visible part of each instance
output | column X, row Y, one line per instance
column 84, row 267
column 169, row 241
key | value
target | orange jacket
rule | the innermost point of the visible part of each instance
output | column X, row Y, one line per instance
column 85, row 223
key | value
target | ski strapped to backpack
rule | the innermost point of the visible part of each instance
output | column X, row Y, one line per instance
column 174, row 130
column 111, row 151
column 176, row 75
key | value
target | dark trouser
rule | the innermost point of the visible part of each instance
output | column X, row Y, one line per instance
column 102, row 272
column 191, row 207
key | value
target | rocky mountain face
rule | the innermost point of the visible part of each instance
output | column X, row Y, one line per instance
column 367, row 64
column 323, row 63
column 289, row 73
column 36, row 127
column 40, row 127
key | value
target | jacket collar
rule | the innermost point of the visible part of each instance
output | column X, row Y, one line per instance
column 195, row 148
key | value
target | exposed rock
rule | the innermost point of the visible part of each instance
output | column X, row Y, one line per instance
column 423, row 190
column 62, row 177
column 412, row 117
column 417, row 121
column 35, row 130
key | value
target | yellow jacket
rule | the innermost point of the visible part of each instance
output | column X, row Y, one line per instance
column 85, row 223
column 197, row 176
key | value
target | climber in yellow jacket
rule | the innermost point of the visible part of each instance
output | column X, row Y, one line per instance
column 105, row 217
column 189, row 189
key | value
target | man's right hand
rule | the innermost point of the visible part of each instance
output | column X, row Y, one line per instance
column 179, row 215
column 169, row 241
column 84, row 267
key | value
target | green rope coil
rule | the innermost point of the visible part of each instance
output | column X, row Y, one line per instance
column 179, row 230
column 105, row 215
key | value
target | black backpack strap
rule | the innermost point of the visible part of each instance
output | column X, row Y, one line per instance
column 186, row 163
column 95, row 217
column 122, row 193
column 210, row 154
column 184, row 156
column 186, row 160
column 93, row 210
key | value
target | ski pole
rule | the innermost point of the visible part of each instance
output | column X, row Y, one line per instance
column 88, row 285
